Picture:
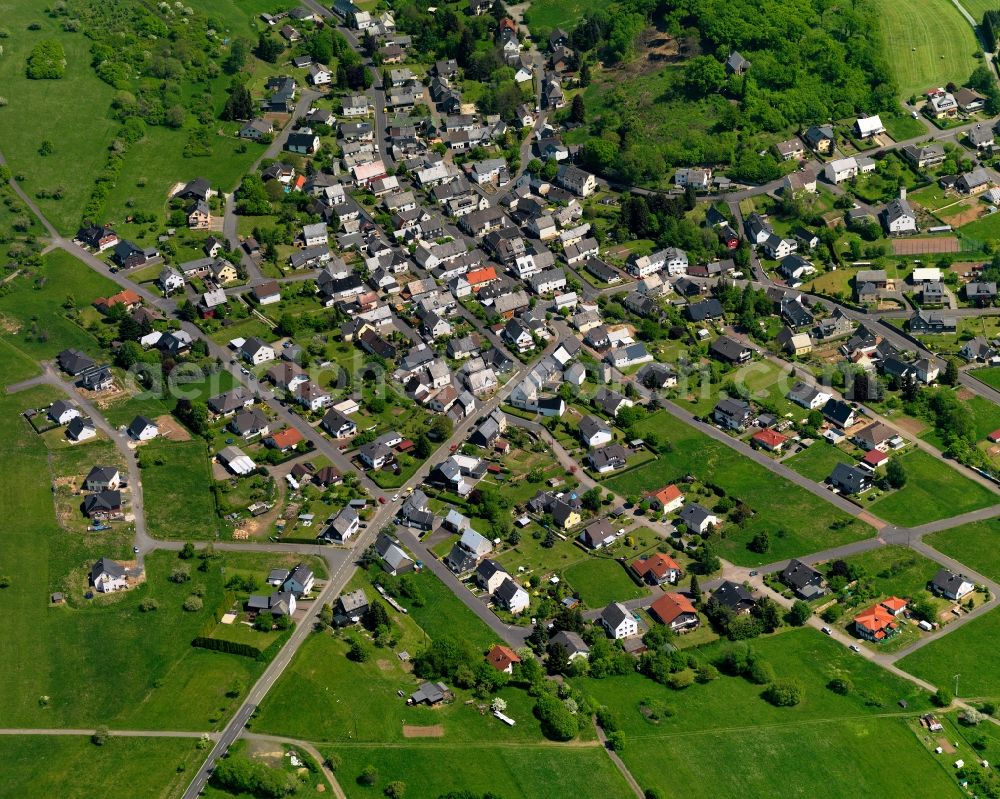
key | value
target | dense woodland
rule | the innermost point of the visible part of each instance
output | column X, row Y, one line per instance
column 811, row 62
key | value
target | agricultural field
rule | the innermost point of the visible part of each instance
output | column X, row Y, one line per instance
column 798, row 521
column 975, row 545
column 968, row 652
column 928, row 43
column 931, row 492
column 727, row 721
column 176, row 481
column 39, row 766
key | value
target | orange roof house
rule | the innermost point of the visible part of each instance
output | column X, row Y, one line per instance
column 657, row 569
column 478, row 278
column 676, row 611
column 667, row 499
column 285, row 439
column 994, row 437
column 894, row 605
column 875, row 624
column 502, row 658
column 126, row 297
column 771, row 440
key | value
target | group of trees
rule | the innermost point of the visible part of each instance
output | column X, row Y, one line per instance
column 240, row 774
column 47, row 61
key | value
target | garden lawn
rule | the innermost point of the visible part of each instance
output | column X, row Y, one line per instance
column 969, row 651
column 726, row 721
column 35, row 320
column 511, row 772
column 976, row 544
column 817, row 461
column 804, row 519
column 601, row 581
column 39, row 767
column 933, row 491
column 896, row 571
column 177, row 490
column 443, row 614
column 927, row 43
column 986, row 228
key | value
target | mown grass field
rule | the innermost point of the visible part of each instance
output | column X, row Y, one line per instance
column 520, row 772
column 817, row 461
column 779, row 505
column 990, row 376
column 927, row 43
column 601, row 581
column 152, row 678
column 176, row 479
column 544, row 15
column 969, row 651
column 976, row 544
column 895, row 570
column 32, row 306
column 765, row 749
column 39, row 766
column 932, row 491
column 71, row 113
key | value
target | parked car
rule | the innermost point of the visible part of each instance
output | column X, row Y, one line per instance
column 828, row 631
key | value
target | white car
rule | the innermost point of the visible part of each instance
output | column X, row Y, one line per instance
column 827, row 630
column 395, row 497
column 855, row 648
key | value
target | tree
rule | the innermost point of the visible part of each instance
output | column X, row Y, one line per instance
column 942, row 697
column 592, row 499
column 129, row 354
column 895, row 474
column 584, row 76
column 695, row 589
column 47, row 61
column 578, row 111
column 396, row 789
column 760, row 543
column 268, row 48
column 358, row 650
column 100, row 737
column 558, row 723
column 187, row 551
column 799, row 613
column 704, row 75
column 377, row 616
column 950, row 377
column 441, row 427
column 422, row 446
column 239, row 54
column 783, row 693
column 239, row 104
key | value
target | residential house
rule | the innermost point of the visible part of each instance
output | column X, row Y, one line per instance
column 657, row 569
column 675, row 611
column 697, row 518
column 666, row 500
column 804, row 580
column 142, row 429
column 735, row 597
column 849, row 479
column 732, row 414
column 341, row 527
column 618, row 621
column 950, row 585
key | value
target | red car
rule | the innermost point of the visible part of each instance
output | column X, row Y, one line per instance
column 381, row 500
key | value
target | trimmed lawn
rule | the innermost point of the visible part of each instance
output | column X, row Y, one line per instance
column 817, row 461
column 929, row 42
column 39, row 767
column 975, row 544
column 521, row 772
column 896, row 571
column 727, row 721
column 443, row 614
column 932, row 491
column 601, row 581
column 798, row 521
column 969, row 651
column 177, row 481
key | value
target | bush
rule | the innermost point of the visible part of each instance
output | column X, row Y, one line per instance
column 783, row 693
column 558, row 724
column 681, row 680
column 942, row 698
column 47, row 61
column 970, row 717
column 100, row 737
column 148, row 605
column 616, row 741
column 760, row 672
column 180, row 575
column 706, row 673
column 368, row 775
column 840, row 685
column 193, row 603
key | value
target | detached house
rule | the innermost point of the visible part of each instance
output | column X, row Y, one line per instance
column 675, row 611
column 950, row 585
column 618, row 621
column 657, row 569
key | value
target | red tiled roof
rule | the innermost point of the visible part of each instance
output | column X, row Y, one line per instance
column 894, row 604
column 500, row 657
column 667, row 494
column 479, row 276
column 657, row 563
column 288, row 437
column 126, row 297
column 770, row 438
column 994, row 436
column 877, row 619
column 669, row 606
column 875, row 457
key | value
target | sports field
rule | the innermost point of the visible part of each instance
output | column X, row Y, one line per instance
column 927, row 44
